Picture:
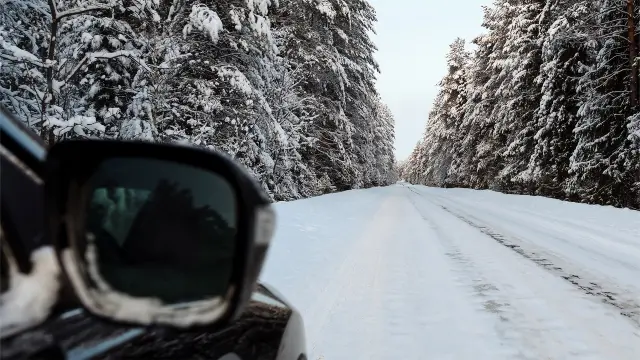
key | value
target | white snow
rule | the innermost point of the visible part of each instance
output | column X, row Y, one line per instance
column 119, row 306
column 236, row 17
column 410, row 272
column 20, row 54
column 206, row 20
column 261, row 5
column 77, row 122
column 326, row 8
column 30, row 297
column 236, row 78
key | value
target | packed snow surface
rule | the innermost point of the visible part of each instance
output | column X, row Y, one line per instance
column 410, row 272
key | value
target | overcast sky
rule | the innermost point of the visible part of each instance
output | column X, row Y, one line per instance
column 413, row 38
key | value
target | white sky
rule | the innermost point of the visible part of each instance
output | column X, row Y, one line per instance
column 413, row 38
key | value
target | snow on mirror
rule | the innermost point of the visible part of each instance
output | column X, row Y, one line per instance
column 160, row 235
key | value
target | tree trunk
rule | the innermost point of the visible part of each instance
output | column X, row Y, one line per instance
column 633, row 51
column 47, row 134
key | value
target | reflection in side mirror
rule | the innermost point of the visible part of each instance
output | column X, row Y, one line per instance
column 154, row 233
column 161, row 229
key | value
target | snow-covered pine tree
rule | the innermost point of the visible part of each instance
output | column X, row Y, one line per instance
column 552, row 104
column 213, row 65
column 297, row 106
column 356, row 49
column 565, row 50
column 415, row 164
column 24, row 33
column 518, row 94
column 292, row 113
column 604, row 165
column 384, row 167
column 326, row 45
column 479, row 159
column 101, row 53
column 304, row 34
column 37, row 75
column 442, row 134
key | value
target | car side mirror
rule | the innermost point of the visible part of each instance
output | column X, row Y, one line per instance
column 155, row 233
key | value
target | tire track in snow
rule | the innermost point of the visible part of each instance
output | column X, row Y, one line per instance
column 351, row 280
column 624, row 303
column 432, row 313
column 626, row 306
column 403, row 299
column 547, row 228
column 582, row 227
column 487, row 293
column 533, row 311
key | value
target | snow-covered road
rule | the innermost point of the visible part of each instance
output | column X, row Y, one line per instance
column 409, row 272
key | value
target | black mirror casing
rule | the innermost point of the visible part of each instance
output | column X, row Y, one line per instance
column 69, row 164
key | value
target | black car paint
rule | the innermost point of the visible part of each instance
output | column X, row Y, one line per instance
column 270, row 328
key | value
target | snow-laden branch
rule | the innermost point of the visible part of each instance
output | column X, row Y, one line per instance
column 78, row 11
column 91, row 57
column 205, row 20
column 20, row 55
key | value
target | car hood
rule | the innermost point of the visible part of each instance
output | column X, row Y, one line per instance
column 78, row 335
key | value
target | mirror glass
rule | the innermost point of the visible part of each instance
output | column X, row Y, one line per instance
column 161, row 229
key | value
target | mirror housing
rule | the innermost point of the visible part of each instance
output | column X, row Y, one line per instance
column 69, row 167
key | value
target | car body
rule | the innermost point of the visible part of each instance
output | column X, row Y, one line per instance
column 270, row 328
